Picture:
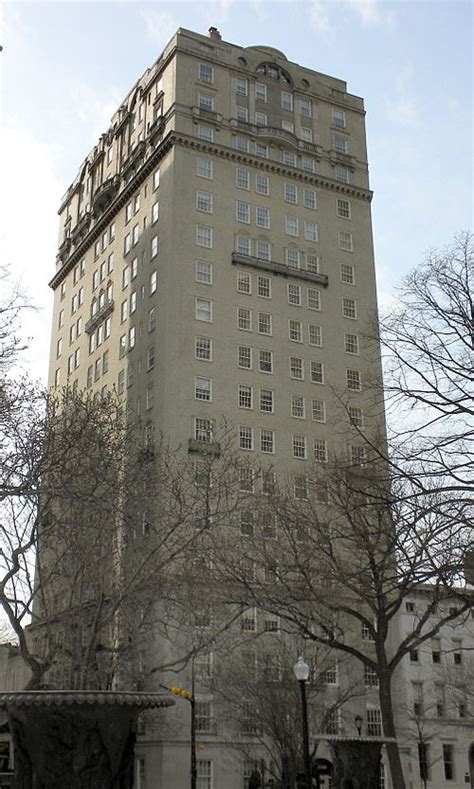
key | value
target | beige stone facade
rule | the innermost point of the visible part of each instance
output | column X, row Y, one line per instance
column 216, row 260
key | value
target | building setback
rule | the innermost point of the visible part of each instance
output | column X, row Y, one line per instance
column 216, row 260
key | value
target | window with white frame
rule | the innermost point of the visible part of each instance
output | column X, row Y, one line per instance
column 245, row 396
column 349, row 307
column 267, row 441
column 242, row 178
column 203, row 348
column 244, row 319
column 299, row 447
column 261, row 119
column 343, row 208
column 358, row 456
column 310, row 231
column 339, row 118
column 294, row 294
column 356, row 416
column 204, row 236
column 241, row 86
column 264, row 323
column 346, row 241
column 203, row 309
column 205, row 132
column 300, row 486
column 291, row 226
column 246, row 480
column 204, row 272
column 305, row 107
column 261, row 149
column 318, row 410
column 288, row 126
column 242, row 113
column 246, row 523
column 244, row 357
column 262, row 217
column 248, row 620
column 243, row 246
column 203, row 716
column 297, row 406
column 154, row 246
column 271, row 624
column 290, row 193
column 289, row 158
column 264, row 287
column 341, row 174
column 204, row 774
column 262, row 249
column 320, row 450
column 202, row 388
column 306, row 134
column 295, row 331
column 309, row 198
column 265, row 361
column 371, row 679
column 242, row 211
column 330, row 675
column 340, row 144
column 262, row 184
column 204, row 201
column 245, row 437
column 308, row 164
column 260, row 91
column 244, row 282
column 242, row 143
column 332, row 721
column 317, row 373
column 313, row 299
column 202, row 429
column 351, row 343
column 292, row 258
column 315, row 336
column 156, row 179
column 374, row 722
column 266, row 401
column 353, row 380
column 205, row 72
column 204, row 167
column 347, row 274
column 155, row 212
column 206, row 102
column 296, row 368
column 286, row 100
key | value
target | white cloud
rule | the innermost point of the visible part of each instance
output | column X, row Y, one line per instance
column 402, row 106
column 319, row 15
column 370, row 12
column 159, row 25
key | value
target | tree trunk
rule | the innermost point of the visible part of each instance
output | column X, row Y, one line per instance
column 386, row 708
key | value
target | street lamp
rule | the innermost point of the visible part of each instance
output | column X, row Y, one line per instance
column 189, row 696
column 358, row 724
column 301, row 670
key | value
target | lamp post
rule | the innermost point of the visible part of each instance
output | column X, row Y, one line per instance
column 189, row 696
column 301, row 670
column 358, row 724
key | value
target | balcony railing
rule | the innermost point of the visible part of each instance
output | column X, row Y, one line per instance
column 279, row 268
column 204, row 447
column 101, row 314
column 105, row 193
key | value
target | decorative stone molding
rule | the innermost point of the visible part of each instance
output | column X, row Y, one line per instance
column 279, row 268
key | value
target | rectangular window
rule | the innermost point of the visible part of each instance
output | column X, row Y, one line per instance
column 353, row 380
column 153, row 282
column 306, row 134
column 241, row 86
column 292, row 258
column 204, row 167
column 203, row 309
column 149, row 396
column 295, row 331
column 374, row 722
column 305, row 107
column 127, row 244
column 246, row 480
column 242, row 178
column 351, row 343
column 205, row 102
column 355, row 416
column 299, row 447
column 155, row 212
column 286, row 100
column 345, row 241
column 315, row 336
column 339, row 118
column 203, row 348
column 347, row 274
column 317, row 373
column 204, row 202
column 243, row 246
column 289, row 158
column 152, row 319
column 261, row 119
column 204, row 774
column 341, row 174
column 296, row 368
column 263, row 250
column 244, row 319
column 150, row 359
column 205, row 132
column 242, row 143
column 245, row 396
column 448, row 760
column 314, row 299
column 318, row 410
column 154, row 246
column 132, row 335
column 297, row 406
column 267, row 441
column 288, row 126
column 311, row 231
column 320, row 450
column 206, row 72
column 244, row 357
column 309, row 198
column 204, row 236
column 370, row 677
column 261, row 149
column 349, row 307
column 262, row 184
column 290, row 193
column 308, row 164
column 264, row 287
column 244, row 282
column 260, row 91
column 242, row 211
column 245, row 437
column 242, row 113
column 202, row 388
column 264, row 323
column 246, row 523
column 204, row 272
column 358, row 458
column 294, row 294
column 343, row 208
column 262, row 217
column 265, row 361
column 202, row 429
column 340, row 144
column 291, row 226
column 266, row 400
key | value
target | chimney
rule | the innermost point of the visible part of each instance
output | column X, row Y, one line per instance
column 214, row 33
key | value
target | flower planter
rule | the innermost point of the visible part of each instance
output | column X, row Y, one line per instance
column 75, row 739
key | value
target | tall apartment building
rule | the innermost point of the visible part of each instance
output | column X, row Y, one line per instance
column 215, row 260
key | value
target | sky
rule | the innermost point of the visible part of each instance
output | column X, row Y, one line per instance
column 66, row 66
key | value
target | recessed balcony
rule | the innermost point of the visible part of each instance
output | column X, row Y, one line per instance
column 104, row 194
column 100, row 316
